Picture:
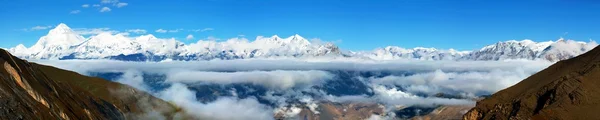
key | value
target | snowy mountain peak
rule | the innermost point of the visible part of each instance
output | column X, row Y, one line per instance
column 105, row 45
column 62, row 35
column 61, row 29
column 299, row 40
column 275, row 37
column 145, row 37
column 424, row 49
column 21, row 46
column 560, row 39
column 297, row 37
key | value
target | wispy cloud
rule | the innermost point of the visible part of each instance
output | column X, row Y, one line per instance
column 75, row 12
column 109, row 1
column 104, row 6
column 105, row 9
column 174, row 30
column 137, row 31
column 119, row 5
column 116, row 3
column 161, row 31
column 41, row 27
column 165, row 31
column 34, row 28
column 203, row 30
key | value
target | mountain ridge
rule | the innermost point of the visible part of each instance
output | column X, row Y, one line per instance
column 62, row 43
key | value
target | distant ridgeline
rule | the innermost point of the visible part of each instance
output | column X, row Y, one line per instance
column 63, row 43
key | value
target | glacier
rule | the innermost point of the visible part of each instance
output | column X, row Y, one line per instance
column 62, row 43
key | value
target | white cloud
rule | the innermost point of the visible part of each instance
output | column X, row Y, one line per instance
column 38, row 28
column 124, row 33
column 105, row 9
column 161, row 31
column 203, row 30
column 133, row 78
column 114, row 3
column 137, row 31
column 85, row 5
column 393, row 96
column 75, row 12
column 174, row 30
column 376, row 117
column 165, row 31
column 277, row 79
column 119, row 5
column 295, row 64
column 109, row 1
column 96, row 5
column 431, row 77
column 294, row 80
column 437, row 81
column 189, row 37
column 225, row 108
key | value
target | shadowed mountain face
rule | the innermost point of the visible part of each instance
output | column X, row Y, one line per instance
column 566, row 90
column 33, row 91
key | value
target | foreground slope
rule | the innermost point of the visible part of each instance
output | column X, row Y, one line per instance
column 33, row 91
column 566, row 90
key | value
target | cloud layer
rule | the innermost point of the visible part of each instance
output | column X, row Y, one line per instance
column 291, row 83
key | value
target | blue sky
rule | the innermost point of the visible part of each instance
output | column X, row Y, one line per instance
column 355, row 25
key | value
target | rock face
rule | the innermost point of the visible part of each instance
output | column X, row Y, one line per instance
column 566, row 90
column 32, row 91
column 447, row 112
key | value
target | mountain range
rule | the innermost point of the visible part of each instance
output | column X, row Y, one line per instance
column 63, row 43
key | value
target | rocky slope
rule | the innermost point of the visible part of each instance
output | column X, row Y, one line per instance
column 566, row 90
column 448, row 112
column 32, row 91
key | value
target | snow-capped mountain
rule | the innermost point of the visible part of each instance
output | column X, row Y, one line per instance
column 565, row 49
column 512, row 49
column 59, row 42
column 240, row 48
column 527, row 49
column 420, row 53
column 62, row 43
column 105, row 45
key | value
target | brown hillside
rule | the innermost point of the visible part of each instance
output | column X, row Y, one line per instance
column 32, row 91
column 569, row 89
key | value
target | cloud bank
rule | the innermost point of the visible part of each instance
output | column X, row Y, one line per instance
column 277, row 79
column 292, row 83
